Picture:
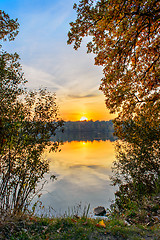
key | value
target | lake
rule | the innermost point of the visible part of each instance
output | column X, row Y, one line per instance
column 83, row 171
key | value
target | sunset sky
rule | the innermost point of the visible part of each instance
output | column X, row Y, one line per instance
column 48, row 61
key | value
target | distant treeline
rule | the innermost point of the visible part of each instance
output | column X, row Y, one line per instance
column 86, row 131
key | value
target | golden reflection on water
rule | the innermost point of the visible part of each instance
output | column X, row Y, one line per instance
column 83, row 171
column 82, row 153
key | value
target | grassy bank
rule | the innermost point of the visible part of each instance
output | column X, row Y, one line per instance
column 140, row 220
column 31, row 227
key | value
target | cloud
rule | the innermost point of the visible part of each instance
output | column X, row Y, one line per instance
column 86, row 166
column 38, row 78
column 84, row 96
column 62, row 70
column 46, row 58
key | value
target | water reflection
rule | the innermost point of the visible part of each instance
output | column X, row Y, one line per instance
column 83, row 170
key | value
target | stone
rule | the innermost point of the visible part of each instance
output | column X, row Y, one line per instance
column 99, row 211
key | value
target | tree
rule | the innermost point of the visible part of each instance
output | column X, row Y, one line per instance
column 8, row 65
column 27, row 130
column 124, row 36
column 125, row 40
column 137, row 166
column 28, row 120
column 8, row 27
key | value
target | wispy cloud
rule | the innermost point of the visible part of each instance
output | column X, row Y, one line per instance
column 46, row 58
column 37, row 78
column 84, row 96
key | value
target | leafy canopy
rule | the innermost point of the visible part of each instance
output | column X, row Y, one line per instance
column 8, row 27
column 124, row 36
column 137, row 166
column 125, row 39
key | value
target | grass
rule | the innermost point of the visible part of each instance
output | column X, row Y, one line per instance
column 32, row 228
column 138, row 221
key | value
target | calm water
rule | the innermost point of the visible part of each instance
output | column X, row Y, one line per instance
column 83, row 171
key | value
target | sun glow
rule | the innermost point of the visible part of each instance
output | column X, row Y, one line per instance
column 83, row 119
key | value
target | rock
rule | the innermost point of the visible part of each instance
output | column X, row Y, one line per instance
column 99, row 211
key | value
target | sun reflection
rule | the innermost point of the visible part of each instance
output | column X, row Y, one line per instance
column 82, row 143
column 87, row 153
column 82, row 168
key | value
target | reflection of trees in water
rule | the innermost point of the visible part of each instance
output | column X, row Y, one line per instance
column 86, row 131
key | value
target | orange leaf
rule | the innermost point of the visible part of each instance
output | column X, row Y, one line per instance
column 98, row 225
column 73, row 220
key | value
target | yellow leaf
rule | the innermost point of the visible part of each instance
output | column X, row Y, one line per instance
column 102, row 223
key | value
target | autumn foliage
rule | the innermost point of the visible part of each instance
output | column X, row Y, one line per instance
column 125, row 38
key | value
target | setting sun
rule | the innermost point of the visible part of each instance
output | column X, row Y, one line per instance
column 84, row 119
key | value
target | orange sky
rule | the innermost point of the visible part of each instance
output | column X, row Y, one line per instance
column 93, row 108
